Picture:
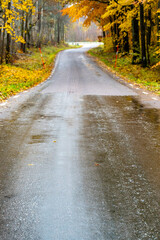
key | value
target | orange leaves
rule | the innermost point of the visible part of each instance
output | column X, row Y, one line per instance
column 89, row 9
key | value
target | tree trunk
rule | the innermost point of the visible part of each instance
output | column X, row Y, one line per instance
column 29, row 32
column 0, row 41
column 125, row 42
column 39, row 23
column 3, row 41
column 58, row 25
column 116, row 35
column 58, row 30
column 8, row 44
column 63, row 32
column 149, row 30
column 143, row 42
column 135, row 39
column 25, row 33
column 158, row 24
column 112, row 32
column 22, row 31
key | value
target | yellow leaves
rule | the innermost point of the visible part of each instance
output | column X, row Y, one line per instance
column 107, row 27
column 20, row 39
column 12, row 74
column 13, row 79
column 12, row 14
column 120, row 14
column 156, row 65
column 24, row 71
column 126, row 2
column 108, row 44
column 91, row 10
column 27, row 71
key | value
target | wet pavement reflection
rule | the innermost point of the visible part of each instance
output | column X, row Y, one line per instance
column 77, row 166
column 125, row 142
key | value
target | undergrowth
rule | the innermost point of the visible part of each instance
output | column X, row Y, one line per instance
column 143, row 77
column 27, row 71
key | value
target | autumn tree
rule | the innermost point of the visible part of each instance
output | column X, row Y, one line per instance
column 11, row 16
column 25, row 23
column 158, row 23
column 130, row 22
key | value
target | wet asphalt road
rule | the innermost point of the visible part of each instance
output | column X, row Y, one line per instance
column 79, row 159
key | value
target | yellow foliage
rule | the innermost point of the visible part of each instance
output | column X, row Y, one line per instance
column 92, row 11
column 15, row 77
column 27, row 71
column 108, row 44
column 12, row 15
column 20, row 39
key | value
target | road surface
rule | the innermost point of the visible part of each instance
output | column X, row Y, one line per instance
column 79, row 159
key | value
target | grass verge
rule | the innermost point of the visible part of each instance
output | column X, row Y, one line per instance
column 27, row 71
column 143, row 77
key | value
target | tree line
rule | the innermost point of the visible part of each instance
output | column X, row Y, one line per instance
column 134, row 25
column 76, row 32
column 28, row 23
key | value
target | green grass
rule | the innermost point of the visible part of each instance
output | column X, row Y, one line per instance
column 143, row 77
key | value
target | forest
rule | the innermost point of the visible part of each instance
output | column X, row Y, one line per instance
column 25, row 24
column 29, row 23
column 31, row 35
column 132, row 26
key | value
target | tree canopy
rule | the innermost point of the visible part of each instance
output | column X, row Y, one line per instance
column 134, row 25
